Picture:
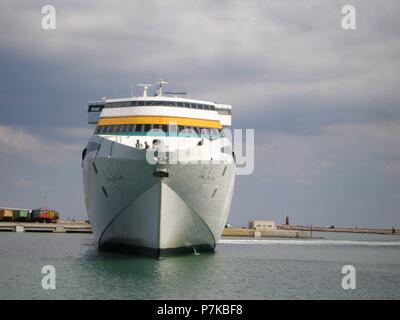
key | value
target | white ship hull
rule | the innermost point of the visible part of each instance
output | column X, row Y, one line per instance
column 132, row 209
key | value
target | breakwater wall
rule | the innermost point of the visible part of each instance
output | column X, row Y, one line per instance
column 60, row 227
column 245, row 232
column 394, row 231
column 83, row 227
column 283, row 231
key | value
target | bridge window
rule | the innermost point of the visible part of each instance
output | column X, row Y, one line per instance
column 172, row 128
column 98, row 108
column 125, row 128
column 205, row 131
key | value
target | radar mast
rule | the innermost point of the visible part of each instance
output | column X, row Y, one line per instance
column 145, row 88
column 160, row 84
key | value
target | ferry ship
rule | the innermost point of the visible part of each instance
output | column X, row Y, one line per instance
column 158, row 173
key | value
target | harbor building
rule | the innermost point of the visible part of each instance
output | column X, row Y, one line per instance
column 262, row 225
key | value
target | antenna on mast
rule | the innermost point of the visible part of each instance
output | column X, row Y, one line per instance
column 145, row 87
column 160, row 84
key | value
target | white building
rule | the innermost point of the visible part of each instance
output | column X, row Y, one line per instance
column 262, row 225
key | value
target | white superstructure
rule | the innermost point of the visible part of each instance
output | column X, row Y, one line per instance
column 158, row 173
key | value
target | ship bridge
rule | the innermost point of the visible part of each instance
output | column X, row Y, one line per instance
column 159, row 109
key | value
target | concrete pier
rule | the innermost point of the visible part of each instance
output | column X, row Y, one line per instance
column 393, row 231
column 61, row 227
column 283, row 231
column 244, row 232
column 83, row 227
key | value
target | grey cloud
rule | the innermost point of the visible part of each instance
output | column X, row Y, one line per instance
column 40, row 150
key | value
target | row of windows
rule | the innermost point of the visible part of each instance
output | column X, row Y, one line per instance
column 95, row 108
column 164, row 103
column 128, row 128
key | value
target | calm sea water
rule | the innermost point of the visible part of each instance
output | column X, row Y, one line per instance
column 239, row 269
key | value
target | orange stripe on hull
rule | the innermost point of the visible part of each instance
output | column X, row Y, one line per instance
column 160, row 120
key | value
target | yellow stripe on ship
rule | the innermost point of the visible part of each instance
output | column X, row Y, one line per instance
column 160, row 120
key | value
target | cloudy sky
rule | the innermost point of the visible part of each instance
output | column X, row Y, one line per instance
column 324, row 102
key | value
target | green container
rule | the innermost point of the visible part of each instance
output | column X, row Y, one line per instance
column 15, row 214
column 20, row 215
column 23, row 214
